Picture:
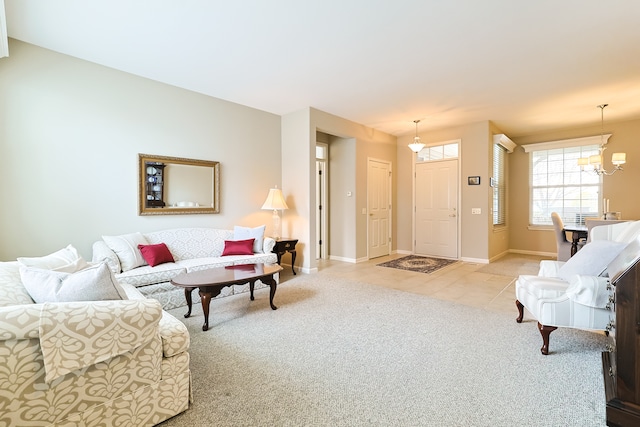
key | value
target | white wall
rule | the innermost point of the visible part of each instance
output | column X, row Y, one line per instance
column 70, row 133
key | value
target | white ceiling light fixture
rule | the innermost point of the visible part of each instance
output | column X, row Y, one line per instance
column 416, row 146
column 618, row 159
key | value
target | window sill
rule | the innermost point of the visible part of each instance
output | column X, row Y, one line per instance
column 540, row 227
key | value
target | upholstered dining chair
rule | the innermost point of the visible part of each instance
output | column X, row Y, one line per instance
column 563, row 245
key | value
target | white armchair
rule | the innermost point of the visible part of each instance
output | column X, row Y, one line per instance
column 575, row 293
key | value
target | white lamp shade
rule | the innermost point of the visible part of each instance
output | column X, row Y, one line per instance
column 619, row 158
column 595, row 159
column 416, row 146
column 275, row 200
column 583, row 161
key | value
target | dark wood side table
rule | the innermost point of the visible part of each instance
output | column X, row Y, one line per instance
column 283, row 246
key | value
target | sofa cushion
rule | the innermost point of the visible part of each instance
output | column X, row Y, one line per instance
column 148, row 275
column 12, row 291
column 156, row 254
column 126, row 248
column 94, row 283
column 238, row 247
column 191, row 243
column 591, row 260
column 257, row 233
column 66, row 260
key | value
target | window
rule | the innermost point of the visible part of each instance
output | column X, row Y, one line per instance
column 557, row 183
column 443, row 151
column 498, row 183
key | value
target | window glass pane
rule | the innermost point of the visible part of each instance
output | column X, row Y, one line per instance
column 438, row 152
column 558, row 185
column 451, row 151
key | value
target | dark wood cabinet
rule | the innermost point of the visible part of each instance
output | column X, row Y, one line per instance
column 621, row 365
column 154, row 185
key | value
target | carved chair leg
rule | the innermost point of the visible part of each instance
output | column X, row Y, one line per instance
column 545, row 331
column 520, row 311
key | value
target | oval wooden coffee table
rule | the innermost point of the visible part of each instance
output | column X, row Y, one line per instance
column 210, row 282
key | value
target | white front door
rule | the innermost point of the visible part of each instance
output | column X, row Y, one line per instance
column 379, row 207
column 436, row 213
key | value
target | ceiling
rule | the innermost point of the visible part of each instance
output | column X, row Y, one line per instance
column 529, row 66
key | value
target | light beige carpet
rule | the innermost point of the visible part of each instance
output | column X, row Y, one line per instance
column 344, row 353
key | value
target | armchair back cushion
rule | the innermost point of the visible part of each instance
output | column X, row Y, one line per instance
column 591, row 260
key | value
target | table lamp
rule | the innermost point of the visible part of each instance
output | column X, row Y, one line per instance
column 275, row 201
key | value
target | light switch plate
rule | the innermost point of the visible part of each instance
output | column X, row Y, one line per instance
column 476, row 211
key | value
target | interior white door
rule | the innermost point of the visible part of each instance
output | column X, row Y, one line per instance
column 436, row 209
column 379, row 208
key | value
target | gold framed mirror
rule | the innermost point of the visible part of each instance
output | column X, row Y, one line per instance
column 175, row 185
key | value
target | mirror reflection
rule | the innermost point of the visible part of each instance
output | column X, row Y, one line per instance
column 174, row 185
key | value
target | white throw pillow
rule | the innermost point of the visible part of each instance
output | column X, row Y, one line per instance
column 94, row 283
column 126, row 247
column 257, row 233
column 591, row 260
column 66, row 260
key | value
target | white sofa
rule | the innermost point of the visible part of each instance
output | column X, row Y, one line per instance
column 192, row 249
column 575, row 293
column 89, row 363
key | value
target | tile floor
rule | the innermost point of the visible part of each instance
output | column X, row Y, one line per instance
column 488, row 286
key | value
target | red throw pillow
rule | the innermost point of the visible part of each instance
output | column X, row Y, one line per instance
column 238, row 247
column 156, row 254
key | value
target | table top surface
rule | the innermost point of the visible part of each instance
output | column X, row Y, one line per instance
column 229, row 275
column 575, row 227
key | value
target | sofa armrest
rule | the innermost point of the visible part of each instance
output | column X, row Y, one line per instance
column 591, row 291
column 93, row 332
column 19, row 322
column 268, row 245
column 174, row 334
column 102, row 253
column 550, row 268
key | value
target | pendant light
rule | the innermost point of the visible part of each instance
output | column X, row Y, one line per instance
column 416, row 146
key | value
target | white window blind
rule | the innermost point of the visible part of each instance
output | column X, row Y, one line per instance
column 499, row 185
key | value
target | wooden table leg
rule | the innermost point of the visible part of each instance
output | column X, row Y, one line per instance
column 187, row 295
column 205, row 298
column 251, row 286
column 273, row 285
column 293, row 260
column 575, row 238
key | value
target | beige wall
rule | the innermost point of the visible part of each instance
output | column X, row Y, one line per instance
column 298, row 153
column 475, row 160
column 70, row 133
column 620, row 188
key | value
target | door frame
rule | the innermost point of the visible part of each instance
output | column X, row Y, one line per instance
column 459, row 201
column 390, row 195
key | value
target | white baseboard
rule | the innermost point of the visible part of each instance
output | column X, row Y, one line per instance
column 476, row 260
column 537, row 253
column 343, row 259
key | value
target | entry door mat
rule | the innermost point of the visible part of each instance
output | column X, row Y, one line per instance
column 421, row 264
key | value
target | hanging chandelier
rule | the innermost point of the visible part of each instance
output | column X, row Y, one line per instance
column 416, row 146
column 618, row 159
